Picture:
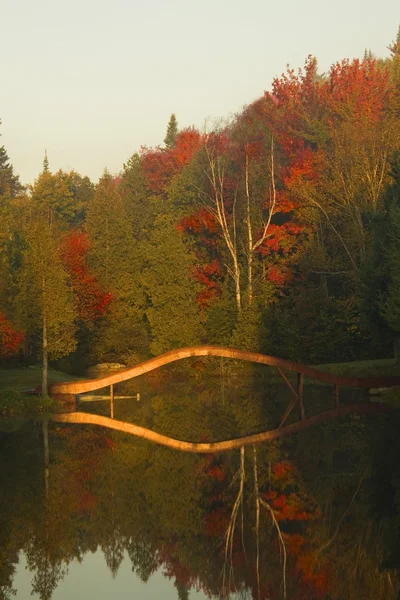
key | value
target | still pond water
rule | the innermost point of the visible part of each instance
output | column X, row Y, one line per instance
column 313, row 516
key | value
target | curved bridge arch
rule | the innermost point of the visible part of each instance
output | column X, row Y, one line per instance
column 78, row 387
column 224, row 446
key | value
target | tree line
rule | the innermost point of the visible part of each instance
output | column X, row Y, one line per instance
column 276, row 231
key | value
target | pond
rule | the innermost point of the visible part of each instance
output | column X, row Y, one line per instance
column 315, row 515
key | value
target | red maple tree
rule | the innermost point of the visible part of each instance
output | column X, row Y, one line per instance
column 160, row 165
column 92, row 301
column 10, row 339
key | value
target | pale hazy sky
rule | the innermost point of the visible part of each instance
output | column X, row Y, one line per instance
column 93, row 80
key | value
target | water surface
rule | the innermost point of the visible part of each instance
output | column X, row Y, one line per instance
column 310, row 516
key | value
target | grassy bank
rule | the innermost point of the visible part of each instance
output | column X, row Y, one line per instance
column 20, row 380
column 15, row 403
column 363, row 368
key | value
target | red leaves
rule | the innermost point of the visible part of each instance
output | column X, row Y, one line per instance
column 201, row 223
column 311, row 572
column 216, row 522
column 10, row 339
column 217, row 473
column 92, row 302
column 283, row 470
column 357, row 88
column 161, row 165
column 287, row 507
column 210, row 276
column 277, row 276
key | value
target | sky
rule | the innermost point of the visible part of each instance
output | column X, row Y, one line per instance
column 91, row 81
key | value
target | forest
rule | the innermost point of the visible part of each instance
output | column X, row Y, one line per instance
column 277, row 230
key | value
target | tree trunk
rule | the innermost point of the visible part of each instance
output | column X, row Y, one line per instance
column 236, row 272
column 46, row 455
column 249, row 238
column 45, row 367
column 250, row 278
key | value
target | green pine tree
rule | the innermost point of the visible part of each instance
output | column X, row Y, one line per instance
column 44, row 302
column 122, row 334
column 173, row 313
column 391, row 307
column 139, row 205
column 53, row 199
column 10, row 185
column 82, row 190
column 172, row 132
column 46, row 168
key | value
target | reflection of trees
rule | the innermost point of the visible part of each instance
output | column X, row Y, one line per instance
column 143, row 557
column 350, row 538
column 48, row 573
column 173, row 511
column 8, row 560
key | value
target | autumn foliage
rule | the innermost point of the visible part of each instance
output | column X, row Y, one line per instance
column 10, row 339
column 92, row 301
column 161, row 165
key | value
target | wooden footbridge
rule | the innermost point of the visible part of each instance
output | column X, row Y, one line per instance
column 69, row 390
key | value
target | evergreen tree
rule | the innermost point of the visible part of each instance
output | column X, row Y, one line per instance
column 10, row 185
column 109, row 232
column 172, row 132
column 53, row 199
column 395, row 75
column 368, row 54
column 46, row 168
column 122, row 334
column 380, row 271
column 82, row 190
column 172, row 313
column 45, row 303
column 391, row 308
column 139, row 205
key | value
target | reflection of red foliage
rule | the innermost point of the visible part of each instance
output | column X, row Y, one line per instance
column 109, row 443
column 92, row 302
column 81, row 461
column 87, row 501
column 313, row 574
column 283, row 470
column 168, row 555
column 216, row 522
column 288, row 507
column 10, row 339
column 217, row 473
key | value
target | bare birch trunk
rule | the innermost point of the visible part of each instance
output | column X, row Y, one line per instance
column 216, row 177
column 249, row 237
column 236, row 272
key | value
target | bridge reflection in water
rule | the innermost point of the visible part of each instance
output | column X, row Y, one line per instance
column 68, row 389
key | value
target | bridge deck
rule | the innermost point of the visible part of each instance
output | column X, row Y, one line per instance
column 78, row 387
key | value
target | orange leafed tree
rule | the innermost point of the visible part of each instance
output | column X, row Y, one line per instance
column 92, row 301
column 10, row 339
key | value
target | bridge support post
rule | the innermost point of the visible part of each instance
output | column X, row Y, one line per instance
column 297, row 396
column 112, row 401
column 300, row 385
